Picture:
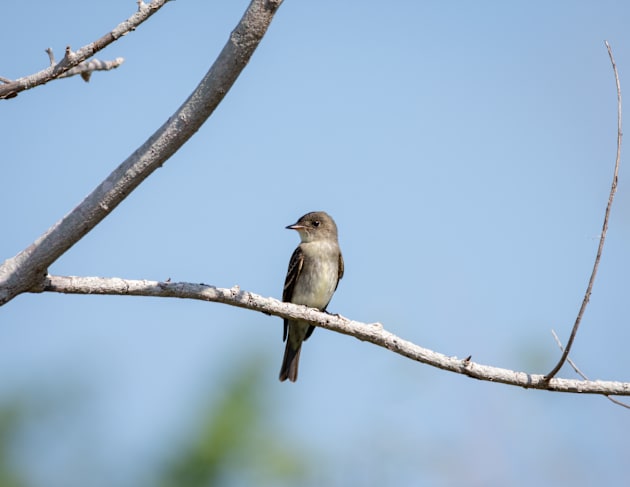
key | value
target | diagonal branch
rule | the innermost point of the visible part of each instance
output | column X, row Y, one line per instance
column 72, row 59
column 602, row 238
column 29, row 267
column 373, row 333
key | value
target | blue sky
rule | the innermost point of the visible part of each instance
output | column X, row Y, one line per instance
column 465, row 150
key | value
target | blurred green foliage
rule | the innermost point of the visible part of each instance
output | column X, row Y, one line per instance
column 229, row 443
column 10, row 422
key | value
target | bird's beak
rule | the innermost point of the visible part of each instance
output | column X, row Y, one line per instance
column 295, row 226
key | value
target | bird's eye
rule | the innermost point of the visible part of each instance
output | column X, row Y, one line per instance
column 316, row 223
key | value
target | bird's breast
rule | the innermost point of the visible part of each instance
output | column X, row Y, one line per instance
column 318, row 279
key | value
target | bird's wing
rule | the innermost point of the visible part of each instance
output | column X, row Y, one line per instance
column 295, row 267
column 340, row 271
column 339, row 276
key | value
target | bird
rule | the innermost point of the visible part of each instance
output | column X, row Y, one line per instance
column 315, row 269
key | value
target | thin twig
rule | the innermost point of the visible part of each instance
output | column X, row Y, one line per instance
column 602, row 238
column 86, row 68
column 583, row 375
column 73, row 58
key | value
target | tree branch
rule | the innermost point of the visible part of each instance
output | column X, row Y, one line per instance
column 602, row 238
column 373, row 333
column 72, row 59
column 29, row 267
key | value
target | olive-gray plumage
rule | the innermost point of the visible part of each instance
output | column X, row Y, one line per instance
column 314, row 272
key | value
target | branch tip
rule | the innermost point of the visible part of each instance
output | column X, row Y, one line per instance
column 51, row 56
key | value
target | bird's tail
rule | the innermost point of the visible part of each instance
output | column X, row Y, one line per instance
column 289, row 369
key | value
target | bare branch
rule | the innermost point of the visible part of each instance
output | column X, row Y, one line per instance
column 602, row 238
column 28, row 268
column 582, row 374
column 72, row 59
column 373, row 333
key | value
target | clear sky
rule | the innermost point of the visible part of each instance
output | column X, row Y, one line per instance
column 465, row 150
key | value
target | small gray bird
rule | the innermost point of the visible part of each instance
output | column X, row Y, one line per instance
column 314, row 272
